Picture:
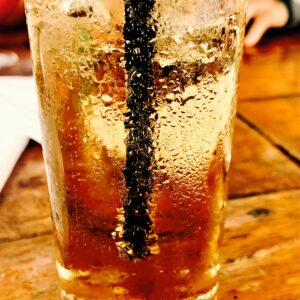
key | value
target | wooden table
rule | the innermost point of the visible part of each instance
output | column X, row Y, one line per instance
column 262, row 233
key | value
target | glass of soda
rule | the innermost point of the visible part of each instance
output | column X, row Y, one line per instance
column 137, row 100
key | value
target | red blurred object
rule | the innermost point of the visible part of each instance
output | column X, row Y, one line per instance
column 7, row 7
column 13, row 29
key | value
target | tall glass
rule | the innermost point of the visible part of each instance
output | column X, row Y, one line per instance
column 137, row 100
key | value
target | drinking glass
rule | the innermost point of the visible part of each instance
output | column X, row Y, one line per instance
column 137, row 101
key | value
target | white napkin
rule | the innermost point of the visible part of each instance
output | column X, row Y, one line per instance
column 19, row 120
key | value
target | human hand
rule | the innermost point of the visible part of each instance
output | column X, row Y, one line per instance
column 265, row 14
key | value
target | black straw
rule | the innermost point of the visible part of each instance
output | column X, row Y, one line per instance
column 139, row 31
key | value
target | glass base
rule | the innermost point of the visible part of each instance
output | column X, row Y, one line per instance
column 87, row 285
column 210, row 295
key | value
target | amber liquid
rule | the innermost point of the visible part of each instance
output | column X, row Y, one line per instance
column 81, row 80
column 187, row 219
column 186, row 264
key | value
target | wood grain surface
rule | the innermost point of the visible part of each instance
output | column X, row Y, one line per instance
column 278, row 120
column 257, row 166
column 271, row 70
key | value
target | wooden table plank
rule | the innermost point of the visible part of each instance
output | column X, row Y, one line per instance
column 261, row 248
column 260, row 222
column 24, row 203
column 27, row 270
column 270, row 274
column 255, row 262
column 257, row 166
column 272, row 69
column 278, row 119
